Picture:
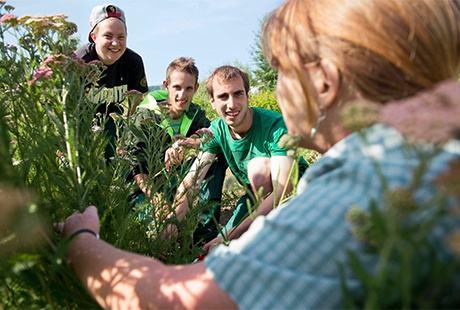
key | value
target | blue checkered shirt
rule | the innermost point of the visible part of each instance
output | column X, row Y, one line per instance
column 289, row 258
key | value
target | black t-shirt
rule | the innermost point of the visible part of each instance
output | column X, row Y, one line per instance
column 127, row 73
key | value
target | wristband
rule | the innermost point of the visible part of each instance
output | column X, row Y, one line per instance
column 172, row 220
column 84, row 230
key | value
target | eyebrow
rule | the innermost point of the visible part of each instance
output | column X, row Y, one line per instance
column 222, row 95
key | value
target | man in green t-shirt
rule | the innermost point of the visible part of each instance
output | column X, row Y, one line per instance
column 248, row 139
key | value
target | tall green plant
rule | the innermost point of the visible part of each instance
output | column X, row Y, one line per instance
column 52, row 164
column 411, row 271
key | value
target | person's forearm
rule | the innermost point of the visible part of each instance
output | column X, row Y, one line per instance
column 264, row 208
column 109, row 274
column 188, row 189
column 119, row 279
column 181, row 204
column 141, row 180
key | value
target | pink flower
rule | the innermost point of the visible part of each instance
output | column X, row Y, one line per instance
column 9, row 19
column 132, row 92
column 134, row 96
column 203, row 131
column 42, row 23
column 179, row 137
column 96, row 128
column 96, row 63
column 205, row 134
column 56, row 59
column 41, row 74
column 431, row 116
column 122, row 152
column 186, row 144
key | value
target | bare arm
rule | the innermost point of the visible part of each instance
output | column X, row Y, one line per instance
column 141, row 180
column 119, row 279
column 191, row 182
column 280, row 167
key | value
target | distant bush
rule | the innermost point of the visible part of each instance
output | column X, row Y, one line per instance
column 201, row 98
column 264, row 99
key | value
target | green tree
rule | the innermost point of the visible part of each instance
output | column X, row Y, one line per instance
column 264, row 74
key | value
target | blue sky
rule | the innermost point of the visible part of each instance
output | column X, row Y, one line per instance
column 213, row 32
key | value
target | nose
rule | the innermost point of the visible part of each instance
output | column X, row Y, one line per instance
column 181, row 94
column 115, row 42
column 231, row 102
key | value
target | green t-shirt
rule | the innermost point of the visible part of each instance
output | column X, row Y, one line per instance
column 262, row 140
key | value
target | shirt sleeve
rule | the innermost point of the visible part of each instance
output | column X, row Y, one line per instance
column 140, row 78
column 290, row 258
column 278, row 131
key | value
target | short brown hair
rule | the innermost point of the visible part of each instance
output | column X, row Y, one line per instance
column 182, row 64
column 227, row 73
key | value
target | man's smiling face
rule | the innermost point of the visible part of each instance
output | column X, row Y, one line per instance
column 232, row 103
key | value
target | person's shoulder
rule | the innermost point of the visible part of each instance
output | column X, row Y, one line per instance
column 218, row 121
column 194, row 107
column 86, row 51
column 218, row 124
column 268, row 117
column 195, row 110
column 267, row 113
column 132, row 55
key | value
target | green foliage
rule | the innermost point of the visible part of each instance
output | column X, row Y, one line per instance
column 202, row 99
column 264, row 99
column 44, row 126
column 412, row 272
column 265, row 75
column 52, row 164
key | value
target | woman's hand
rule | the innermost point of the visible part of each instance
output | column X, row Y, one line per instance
column 86, row 220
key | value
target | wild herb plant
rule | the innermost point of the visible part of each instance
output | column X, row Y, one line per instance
column 411, row 272
column 40, row 108
column 52, row 164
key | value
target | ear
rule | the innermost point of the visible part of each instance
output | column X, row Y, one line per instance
column 327, row 83
column 197, row 86
column 165, row 84
column 93, row 36
column 211, row 101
